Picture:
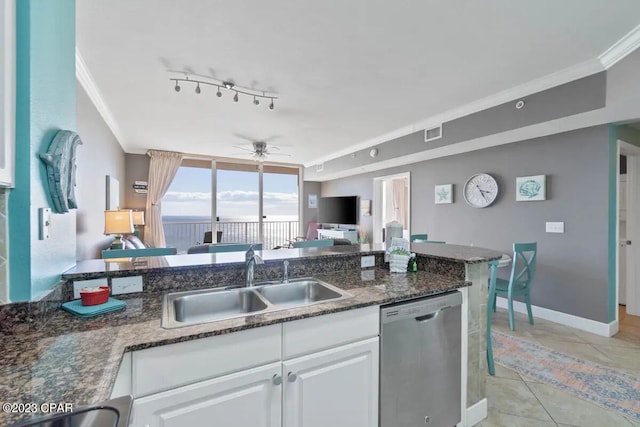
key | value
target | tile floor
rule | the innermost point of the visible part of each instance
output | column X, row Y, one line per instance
column 516, row 401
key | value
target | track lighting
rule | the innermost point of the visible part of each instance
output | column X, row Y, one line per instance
column 228, row 85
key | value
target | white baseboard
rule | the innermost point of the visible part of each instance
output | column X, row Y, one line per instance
column 476, row 413
column 588, row 325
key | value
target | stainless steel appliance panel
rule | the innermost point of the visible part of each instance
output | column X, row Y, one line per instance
column 420, row 362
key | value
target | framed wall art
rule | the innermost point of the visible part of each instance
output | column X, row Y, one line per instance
column 313, row 201
column 113, row 194
column 444, row 194
column 531, row 188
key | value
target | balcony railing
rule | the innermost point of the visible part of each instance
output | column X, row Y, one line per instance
column 183, row 235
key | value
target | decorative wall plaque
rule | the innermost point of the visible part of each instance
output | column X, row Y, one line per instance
column 61, row 170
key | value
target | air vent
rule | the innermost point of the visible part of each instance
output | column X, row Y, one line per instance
column 320, row 167
column 433, row 133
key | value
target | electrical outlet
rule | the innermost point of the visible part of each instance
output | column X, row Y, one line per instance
column 78, row 285
column 126, row 285
column 368, row 261
column 555, row 227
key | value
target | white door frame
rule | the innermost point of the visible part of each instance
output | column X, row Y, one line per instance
column 633, row 226
column 377, row 203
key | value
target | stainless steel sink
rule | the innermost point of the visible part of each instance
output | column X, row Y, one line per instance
column 300, row 293
column 209, row 305
column 188, row 308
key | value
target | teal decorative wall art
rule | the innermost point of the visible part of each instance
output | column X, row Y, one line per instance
column 531, row 188
column 444, row 194
column 60, row 161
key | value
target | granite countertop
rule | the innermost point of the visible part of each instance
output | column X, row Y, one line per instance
column 74, row 360
column 123, row 266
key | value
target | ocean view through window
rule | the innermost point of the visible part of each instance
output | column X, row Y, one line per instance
column 187, row 206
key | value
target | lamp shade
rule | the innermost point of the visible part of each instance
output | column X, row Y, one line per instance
column 138, row 217
column 118, row 222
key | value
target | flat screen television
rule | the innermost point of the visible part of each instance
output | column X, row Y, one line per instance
column 338, row 210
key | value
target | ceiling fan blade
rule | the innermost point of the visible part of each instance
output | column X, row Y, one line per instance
column 247, row 149
column 279, row 154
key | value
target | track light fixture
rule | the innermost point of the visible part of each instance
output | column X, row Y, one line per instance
column 228, row 85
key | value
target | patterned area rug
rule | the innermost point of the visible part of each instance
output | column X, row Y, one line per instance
column 604, row 386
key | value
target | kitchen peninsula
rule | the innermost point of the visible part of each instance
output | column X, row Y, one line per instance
column 68, row 359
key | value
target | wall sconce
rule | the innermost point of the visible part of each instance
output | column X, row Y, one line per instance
column 118, row 223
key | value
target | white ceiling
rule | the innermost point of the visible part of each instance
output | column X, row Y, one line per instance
column 346, row 71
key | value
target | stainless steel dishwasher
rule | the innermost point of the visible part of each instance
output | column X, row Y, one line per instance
column 420, row 362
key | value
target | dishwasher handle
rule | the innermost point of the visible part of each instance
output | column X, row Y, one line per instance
column 427, row 317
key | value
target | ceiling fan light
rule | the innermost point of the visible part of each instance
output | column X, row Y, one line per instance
column 218, row 93
column 271, row 106
column 235, row 97
column 198, row 90
column 177, row 87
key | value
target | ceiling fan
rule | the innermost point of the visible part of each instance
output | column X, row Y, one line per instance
column 260, row 151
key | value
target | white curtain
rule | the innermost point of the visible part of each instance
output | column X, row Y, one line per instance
column 400, row 201
column 162, row 169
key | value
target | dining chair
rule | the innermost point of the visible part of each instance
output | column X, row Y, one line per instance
column 313, row 243
column 523, row 266
column 208, row 237
column 491, row 304
column 419, row 237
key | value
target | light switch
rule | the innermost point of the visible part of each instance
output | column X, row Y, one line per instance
column 44, row 217
column 126, row 285
column 368, row 261
column 555, row 227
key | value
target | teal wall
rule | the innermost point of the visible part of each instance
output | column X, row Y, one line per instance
column 631, row 136
column 46, row 103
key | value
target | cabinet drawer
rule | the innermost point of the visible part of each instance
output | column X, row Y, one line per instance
column 166, row 367
column 318, row 333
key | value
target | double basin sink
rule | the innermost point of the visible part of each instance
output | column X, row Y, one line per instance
column 210, row 305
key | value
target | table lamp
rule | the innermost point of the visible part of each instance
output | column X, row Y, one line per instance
column 118, row 223
column 138, row 221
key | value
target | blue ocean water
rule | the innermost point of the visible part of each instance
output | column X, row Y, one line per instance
column 183, row 232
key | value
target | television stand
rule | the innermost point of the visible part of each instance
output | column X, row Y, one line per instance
column 351, row 235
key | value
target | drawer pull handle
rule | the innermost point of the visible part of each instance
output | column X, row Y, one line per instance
column 291, row 377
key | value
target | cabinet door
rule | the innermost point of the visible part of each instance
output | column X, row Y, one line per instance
column 336, row 387
column 245, row 399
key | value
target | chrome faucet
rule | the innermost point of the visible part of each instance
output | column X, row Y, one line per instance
column 251, row 259
column 285, row 277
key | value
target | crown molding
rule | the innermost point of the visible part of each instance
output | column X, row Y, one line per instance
column 549, row 81
column 620, row 49
column 95, row 95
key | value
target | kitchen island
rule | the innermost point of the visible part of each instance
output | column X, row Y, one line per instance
column 68, row 359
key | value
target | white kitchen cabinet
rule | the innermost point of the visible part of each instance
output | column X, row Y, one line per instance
column 7, row 91
column 316, row 372
column 336, row 387
column 249, row 398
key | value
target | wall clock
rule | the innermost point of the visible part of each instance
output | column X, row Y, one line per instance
column 480, row 190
